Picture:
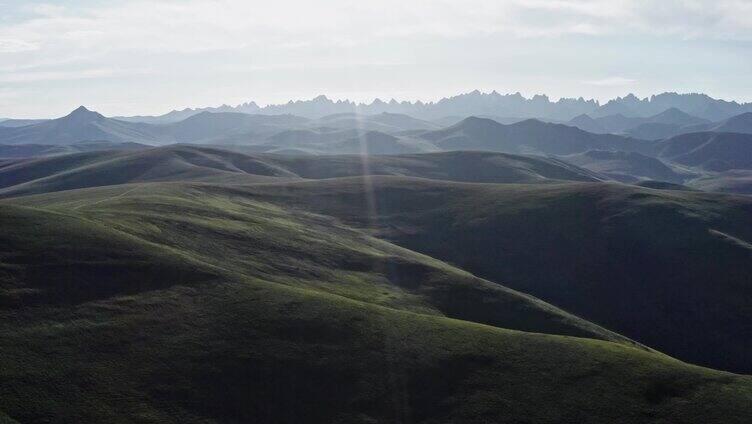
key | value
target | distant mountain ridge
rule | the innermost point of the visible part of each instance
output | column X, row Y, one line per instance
column 79, row 125
column 530, row 137
column 669, row 123
column 493, row 103
column 712, row 151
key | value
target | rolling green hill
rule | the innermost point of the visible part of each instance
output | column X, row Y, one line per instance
column 645, row 253
column 671, row 269
column 197, row 163
column 207, row 303
column 171, row 163
column 482, row 167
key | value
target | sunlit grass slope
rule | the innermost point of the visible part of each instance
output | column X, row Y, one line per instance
column 208, row 164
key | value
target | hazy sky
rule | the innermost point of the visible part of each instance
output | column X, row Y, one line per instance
column 140, row 57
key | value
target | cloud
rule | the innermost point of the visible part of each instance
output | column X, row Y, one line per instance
column 65, row 75
column 195, row 26
column 276, row 45
column 10, row 45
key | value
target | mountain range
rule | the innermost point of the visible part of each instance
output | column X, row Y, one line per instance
column 666, row 124
column 705, row 153
column 490, row 104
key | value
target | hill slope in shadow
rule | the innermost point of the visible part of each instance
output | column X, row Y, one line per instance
column 289, row 317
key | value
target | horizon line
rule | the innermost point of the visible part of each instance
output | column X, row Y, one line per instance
column 414, row 102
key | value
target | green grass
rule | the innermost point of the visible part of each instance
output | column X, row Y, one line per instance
column 196, row 303
column 246, row 237
column 653, row 259
column 206, row 164
column 171, row 163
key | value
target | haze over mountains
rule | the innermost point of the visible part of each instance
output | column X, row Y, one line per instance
column 672, row 145
column 491, row 104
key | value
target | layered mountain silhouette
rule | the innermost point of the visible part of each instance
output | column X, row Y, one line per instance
column 80, row 125
column 709, row 150
column 530, row 136
column 736, row 124
column 670, row 122
column 666, row 124
column 224, row 127
column 680, row 159
column 85, row 125
column 477, row 103
column 628, row 167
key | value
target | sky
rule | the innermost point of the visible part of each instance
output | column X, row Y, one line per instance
column 146, row 57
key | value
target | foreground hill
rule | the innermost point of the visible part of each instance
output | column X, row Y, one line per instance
column 530, row 136
column 293, row 317
column 670, row 269
column 195, row 163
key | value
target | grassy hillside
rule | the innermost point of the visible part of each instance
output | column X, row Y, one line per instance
column 453, row 166
column 195, row 303
column 197, row 163
column 172, row 163
column 670, row 269
column 295, row 248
